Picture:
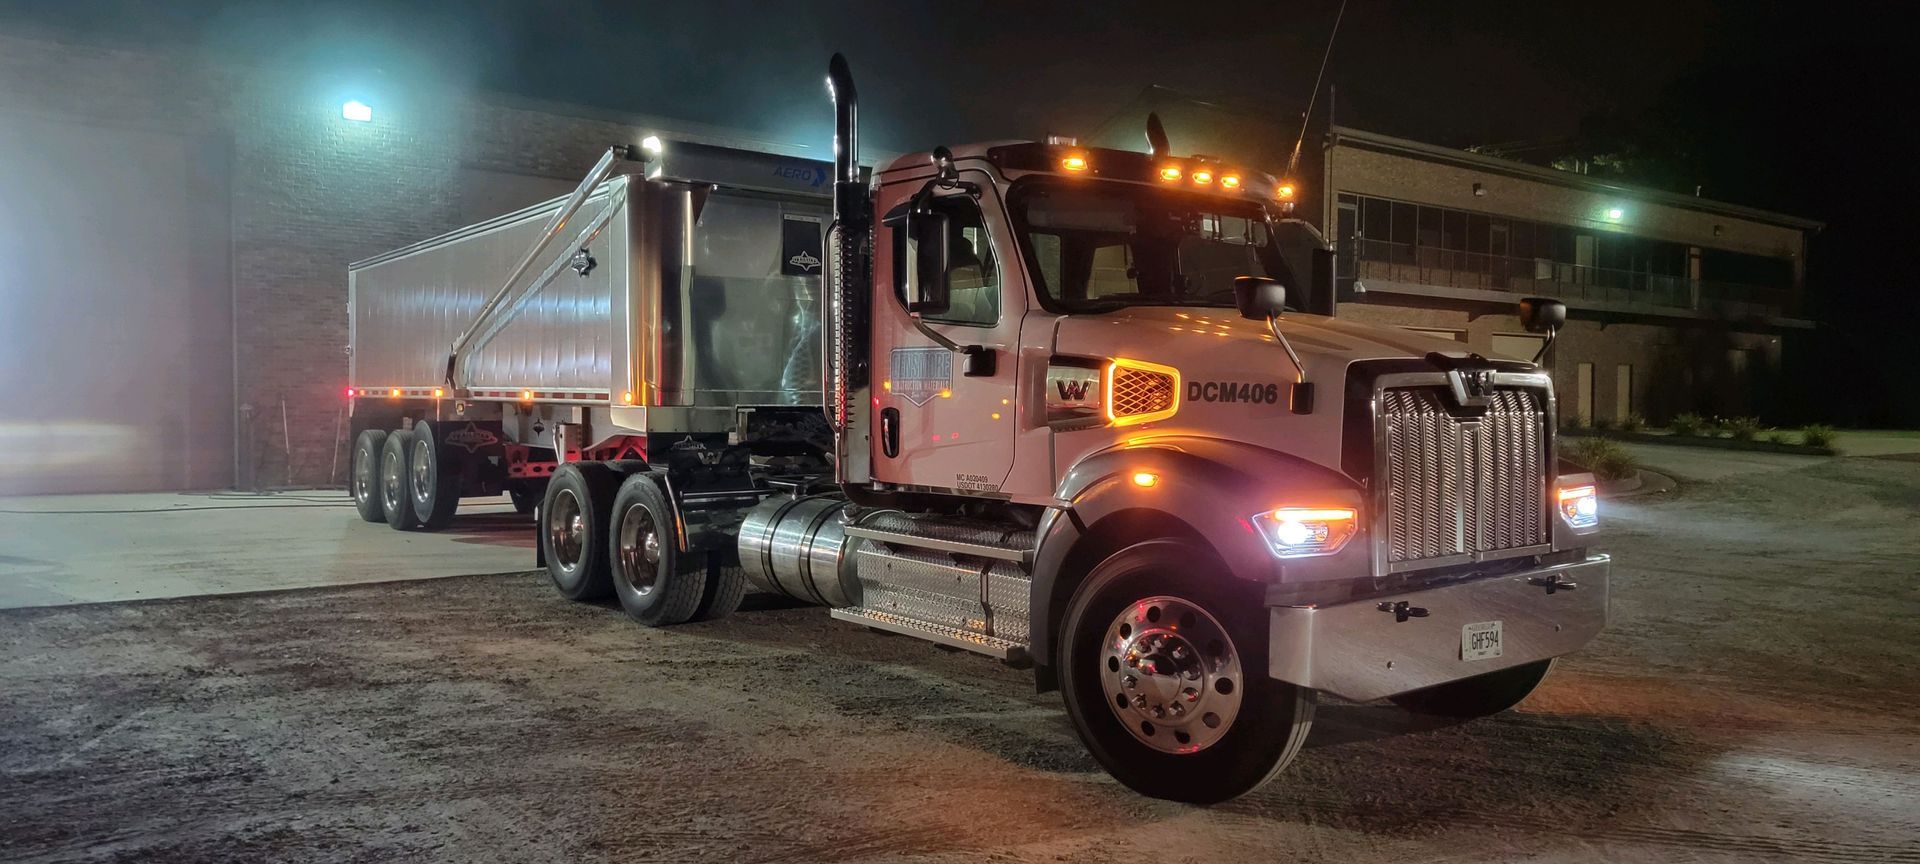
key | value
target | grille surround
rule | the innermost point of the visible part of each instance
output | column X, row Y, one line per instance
column 1455, row 485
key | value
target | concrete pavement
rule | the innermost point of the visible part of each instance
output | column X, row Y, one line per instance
column 57, row 550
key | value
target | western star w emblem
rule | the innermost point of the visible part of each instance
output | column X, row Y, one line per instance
column 919, row 374
column 805, row 261
column 1472, row 388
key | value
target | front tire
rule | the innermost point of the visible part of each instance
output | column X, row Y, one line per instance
column 364, row 483
column 657, row 584
column 433, row 478
column 573, row 526
column 1163, row 665
column 394, row 477
column 1479, row 696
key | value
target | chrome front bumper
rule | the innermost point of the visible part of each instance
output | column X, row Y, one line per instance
column 1363, row 649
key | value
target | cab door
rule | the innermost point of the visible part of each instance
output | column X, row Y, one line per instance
column 944, row 416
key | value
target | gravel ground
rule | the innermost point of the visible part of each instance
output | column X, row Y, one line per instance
column 1755, row 699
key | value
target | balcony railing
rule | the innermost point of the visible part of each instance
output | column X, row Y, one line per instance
column 1423, row 265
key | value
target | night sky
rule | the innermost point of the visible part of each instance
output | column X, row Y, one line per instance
column 1787, row 107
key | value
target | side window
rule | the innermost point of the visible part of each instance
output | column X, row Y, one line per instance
column 973, row 275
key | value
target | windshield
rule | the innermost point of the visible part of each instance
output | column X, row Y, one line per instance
column 1097, row 248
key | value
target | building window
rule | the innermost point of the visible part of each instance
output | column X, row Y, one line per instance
column 1400, row 241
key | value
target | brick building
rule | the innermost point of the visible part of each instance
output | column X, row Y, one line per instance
column 1676, row 303
column 230, row 200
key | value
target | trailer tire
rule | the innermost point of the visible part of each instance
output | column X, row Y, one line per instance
column 1479, row 696
column 1163, row 665
column 433, row 480
column 573, row 518
column 363, row 484
column 657, row 584
column 397, row 505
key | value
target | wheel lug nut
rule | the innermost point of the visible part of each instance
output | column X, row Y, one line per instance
column 1139, row 701
column 1159, row 712
column 1177, row 709
column 1190, row 694
column 1129, row 682
column 1179, row 652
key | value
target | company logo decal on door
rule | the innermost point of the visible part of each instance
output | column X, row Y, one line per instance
column 919, row 374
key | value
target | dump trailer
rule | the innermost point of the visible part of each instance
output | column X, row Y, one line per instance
column 1086, row 411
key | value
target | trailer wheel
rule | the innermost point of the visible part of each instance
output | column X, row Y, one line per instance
column 433, row 479
column 657, row 583
column 1478, row 696
column 573, row 518
column 364, row 483
column 1164, row 671
column 394, row 477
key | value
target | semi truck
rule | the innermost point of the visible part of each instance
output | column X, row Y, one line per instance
column 1087, row 411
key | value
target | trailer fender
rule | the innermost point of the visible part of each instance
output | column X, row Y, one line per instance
column 1205, row 489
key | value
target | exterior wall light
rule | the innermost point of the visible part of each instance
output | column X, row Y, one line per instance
column 358, row 112
column 1615, row 214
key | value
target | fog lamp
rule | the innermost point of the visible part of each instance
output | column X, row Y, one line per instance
column 1302, row 532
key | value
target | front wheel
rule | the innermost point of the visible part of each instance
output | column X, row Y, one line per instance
column 1163, row 665
column 1479, row 696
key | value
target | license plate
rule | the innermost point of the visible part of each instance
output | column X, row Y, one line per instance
column 1480, row 641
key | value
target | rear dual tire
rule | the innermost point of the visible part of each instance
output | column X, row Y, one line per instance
column 396, row 503
column 609, row 529
column 363, row 483
column 433, row 478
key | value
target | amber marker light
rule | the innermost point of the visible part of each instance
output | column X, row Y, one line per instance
column 627, row 397
column 1145, row 479
column 1230, row 181
column 1170, row 173
column 438, row 392
column 526, row 395
column 395, row 393
column 1284, row 191
column 1074, row 162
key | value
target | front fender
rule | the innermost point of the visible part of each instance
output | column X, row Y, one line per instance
column 1210, row 487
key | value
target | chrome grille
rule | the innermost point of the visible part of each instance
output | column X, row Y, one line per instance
column 1458, row 487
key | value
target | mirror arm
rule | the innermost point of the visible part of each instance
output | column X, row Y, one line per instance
column 1546, row 346
column 1300, row 369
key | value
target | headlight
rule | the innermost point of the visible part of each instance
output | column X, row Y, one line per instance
column 1580, row 506
column 1301, row 532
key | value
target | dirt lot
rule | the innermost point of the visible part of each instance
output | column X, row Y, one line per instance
column 1755, row 699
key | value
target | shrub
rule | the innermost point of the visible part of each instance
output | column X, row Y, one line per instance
column 1687, row 424
column 1605, row 458
column 1776, row 437
column 1743, row 428
column 1816, row 435
column 1632, row 423
column 1600, row 425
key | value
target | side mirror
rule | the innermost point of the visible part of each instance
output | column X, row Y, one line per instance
column 1258, row 297
column 1541, row 315
column 926, row 263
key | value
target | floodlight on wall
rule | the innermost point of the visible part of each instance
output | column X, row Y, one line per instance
column 1615, row 214
column 358, row 112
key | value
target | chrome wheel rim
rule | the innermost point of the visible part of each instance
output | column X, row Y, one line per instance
column 422, row 477
column 363, row 479
column 1171, row 675
column 639, row 549
column 393, row 483
column 566, row 529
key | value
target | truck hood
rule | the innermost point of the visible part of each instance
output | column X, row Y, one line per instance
column 1235, row 379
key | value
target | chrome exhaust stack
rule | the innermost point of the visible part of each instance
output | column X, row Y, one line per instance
column 844, row 339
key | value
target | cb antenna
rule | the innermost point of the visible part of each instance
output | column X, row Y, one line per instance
column 1293, row 161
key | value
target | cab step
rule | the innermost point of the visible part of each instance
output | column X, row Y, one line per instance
column 1005, row 650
